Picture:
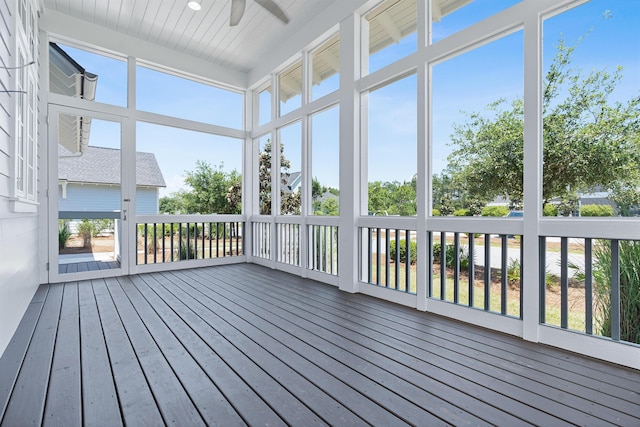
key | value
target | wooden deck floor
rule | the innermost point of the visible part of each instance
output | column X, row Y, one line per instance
column 74, row 267
column 242, row 344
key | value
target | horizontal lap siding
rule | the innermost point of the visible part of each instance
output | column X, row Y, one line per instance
column 19, row 233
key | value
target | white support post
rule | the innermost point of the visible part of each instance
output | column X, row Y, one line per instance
column 349, row 153
column 532, row 173
column 249, row 178
column 423, row 193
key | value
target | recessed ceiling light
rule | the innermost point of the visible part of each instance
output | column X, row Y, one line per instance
column 195, row 5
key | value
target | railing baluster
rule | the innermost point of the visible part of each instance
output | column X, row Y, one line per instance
column 217, row 239
column 195, row 240
column 163, row 242
column 588, row 286
column 396, row 259
column 407, row 264
column 615, row 290
column 542, row 268
column 487, row 271
column 564, row 283
column 443, row 265
column 472, row 268
column 503, row 275
column 224, row 239
column 145, row 243
column 387, row 260
column 521, row 294
column 378, row 256
column 430, row 263
column 456, row 266
column 370, row 251
column 155, row 243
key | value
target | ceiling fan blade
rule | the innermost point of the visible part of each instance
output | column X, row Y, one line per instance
column 237, row 10
column 275, row 10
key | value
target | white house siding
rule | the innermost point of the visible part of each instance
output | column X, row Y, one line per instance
column 89, row 197
column 147, row 201
column 18, row 231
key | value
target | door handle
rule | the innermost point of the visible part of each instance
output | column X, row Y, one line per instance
column 124, row 214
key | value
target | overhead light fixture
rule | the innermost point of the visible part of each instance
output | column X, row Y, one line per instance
column 194, row 4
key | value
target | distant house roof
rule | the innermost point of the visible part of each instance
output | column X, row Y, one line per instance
column 293, row 182
column 99, row 165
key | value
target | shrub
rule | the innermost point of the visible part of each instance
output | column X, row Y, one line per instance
column 403, row 251
column 462, row 212
column 87, row 229
column 495, row 211
column 450, row 256
column 596, row 210
column 63, row 234
column 629, row 253
column 186, row 251
column 435, row 212
column 550, row 210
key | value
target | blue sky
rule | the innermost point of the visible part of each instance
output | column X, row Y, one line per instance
column 460, row 85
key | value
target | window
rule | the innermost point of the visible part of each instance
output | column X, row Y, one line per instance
column 291, row 179
column 82, row 74
column 264, row 106
column 196, row 173
column 392, row 33
column 392, row 147
column 290, row 88
column 591, row 81
column 325, row 68
column 171, row 95
column 325, row 162
column 26, row 105
column 477, row 129
column 449, row 17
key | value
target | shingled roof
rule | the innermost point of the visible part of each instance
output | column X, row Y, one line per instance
column 99, row 165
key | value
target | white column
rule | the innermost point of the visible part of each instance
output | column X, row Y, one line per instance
column 532, row 172
column 350, row 194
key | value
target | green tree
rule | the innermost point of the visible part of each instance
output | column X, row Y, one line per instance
column 392, row 198
column 291, row 201
column 209, row 186
column 589, row 141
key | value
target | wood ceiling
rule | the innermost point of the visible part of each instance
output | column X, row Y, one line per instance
column 204, row 34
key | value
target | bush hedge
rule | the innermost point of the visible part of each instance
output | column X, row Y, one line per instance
column 403, row 251
column 596, row 210
column 495, row 211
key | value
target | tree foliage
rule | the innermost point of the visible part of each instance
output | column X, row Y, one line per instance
column 392, row 198
column 210, row 190
column 590, row 142
column 290, row 202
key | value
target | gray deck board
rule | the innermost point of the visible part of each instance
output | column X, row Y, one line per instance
column 137, row 403
column 243, row 344
column 173, row 400
column 459, row 359
column 27, row 402
column 99, row 398
column 14, row 355
column 64, row 404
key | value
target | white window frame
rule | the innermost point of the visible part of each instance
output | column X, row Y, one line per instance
column 26, row 111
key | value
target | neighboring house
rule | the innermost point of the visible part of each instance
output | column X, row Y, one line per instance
column 293, row 182
column 91, row 181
